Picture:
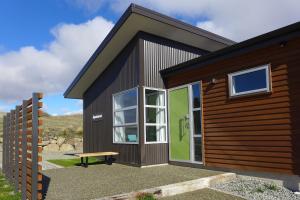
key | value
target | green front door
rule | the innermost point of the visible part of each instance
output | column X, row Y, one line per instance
column 179, row 124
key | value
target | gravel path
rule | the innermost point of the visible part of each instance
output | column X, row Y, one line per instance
column 105, row 180
column 256, row 189
column 47, row 165
column 204, row 194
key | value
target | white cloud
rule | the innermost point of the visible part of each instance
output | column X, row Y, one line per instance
column 51, row 69
column 90, row 6
column 211, row 26
column 73, row 112
column 235, row 19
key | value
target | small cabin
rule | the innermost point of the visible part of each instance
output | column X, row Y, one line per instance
column 158, row 91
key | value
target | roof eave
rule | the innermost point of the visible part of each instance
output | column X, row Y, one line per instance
column 288, row 31
column 116, row 27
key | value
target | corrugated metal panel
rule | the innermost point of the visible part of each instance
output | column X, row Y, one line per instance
column 156, row 154
column 122, row 74
column 159, row 56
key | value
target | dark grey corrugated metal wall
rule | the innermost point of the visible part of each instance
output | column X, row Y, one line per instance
column 121, row 74
column 159, row 56
column 126, row 72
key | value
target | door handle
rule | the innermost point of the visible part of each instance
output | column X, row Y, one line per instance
column 186, row 117
column 187, row 121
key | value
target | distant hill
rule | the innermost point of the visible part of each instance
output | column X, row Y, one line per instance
column 64, row 125
column 1, row 123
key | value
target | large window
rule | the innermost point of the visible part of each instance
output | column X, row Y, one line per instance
column 255, row 80
column 155, row 116
column 125, row 117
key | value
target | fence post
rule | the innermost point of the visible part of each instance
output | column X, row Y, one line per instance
column 12, row 151
column 8, row 147
column 3, row 145
column 34, row 145
column 24, row 149
column 17, row 148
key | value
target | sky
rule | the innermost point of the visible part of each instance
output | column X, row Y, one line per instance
column 44, row 44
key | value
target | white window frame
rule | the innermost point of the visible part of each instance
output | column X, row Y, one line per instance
column 136, row 124
column 192, row 109
column 155, row 124
column 261, row 90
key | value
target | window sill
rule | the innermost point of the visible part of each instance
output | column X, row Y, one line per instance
column 125, row 143
column 263, row 93
column 156, row 142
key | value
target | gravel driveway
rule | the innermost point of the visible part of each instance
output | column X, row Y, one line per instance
column 105, row 180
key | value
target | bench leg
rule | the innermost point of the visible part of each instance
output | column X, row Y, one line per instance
column 81, row 161
column 86, row 161
column 109, row 160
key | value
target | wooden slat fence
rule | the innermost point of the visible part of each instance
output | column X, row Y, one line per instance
column 21, row 151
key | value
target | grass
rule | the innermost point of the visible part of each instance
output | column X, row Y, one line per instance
column 75, row 162
column 7, row 191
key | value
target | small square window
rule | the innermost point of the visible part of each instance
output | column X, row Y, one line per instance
column 255, row 80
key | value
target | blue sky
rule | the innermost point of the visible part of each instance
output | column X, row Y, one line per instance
column 44, row 44
column 27, row 23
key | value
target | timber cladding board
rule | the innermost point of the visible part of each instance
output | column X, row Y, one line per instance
column 258, row 132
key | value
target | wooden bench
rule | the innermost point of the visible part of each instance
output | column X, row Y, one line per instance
column 108, row 157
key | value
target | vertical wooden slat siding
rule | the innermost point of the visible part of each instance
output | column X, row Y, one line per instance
column 20, row 148
column 258, row 132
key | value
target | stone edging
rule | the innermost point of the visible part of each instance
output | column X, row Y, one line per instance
column 176, row 188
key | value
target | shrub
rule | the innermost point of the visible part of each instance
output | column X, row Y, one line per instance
column 271, row 186
column 145, row 196
column 259, row 190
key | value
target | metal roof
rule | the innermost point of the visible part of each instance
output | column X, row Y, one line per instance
column 135, row 19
